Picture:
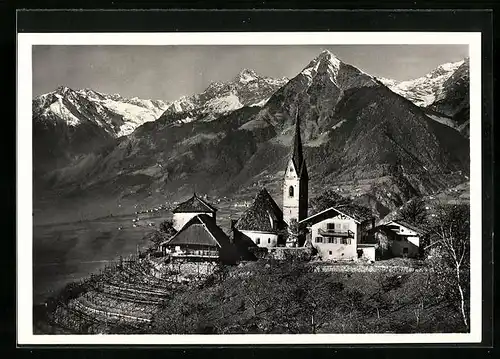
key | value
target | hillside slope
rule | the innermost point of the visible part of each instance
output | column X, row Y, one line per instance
column 371, row 144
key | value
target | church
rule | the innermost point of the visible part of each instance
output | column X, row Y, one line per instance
column 264, row 224
column 336, row 233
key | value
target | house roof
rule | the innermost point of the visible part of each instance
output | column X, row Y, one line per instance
column 200, row 230
column 195, row 204
column 408, row 225
column 351, row 211
column 297, row 152
column 260, row 215
column 359, row 213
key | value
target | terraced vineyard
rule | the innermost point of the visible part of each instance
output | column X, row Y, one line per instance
column 126, row 295
column 122, row 298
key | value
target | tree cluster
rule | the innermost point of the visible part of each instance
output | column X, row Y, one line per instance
column 270, row 296
column 165, row 231
column 330, row 198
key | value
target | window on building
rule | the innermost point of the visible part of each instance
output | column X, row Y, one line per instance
column 337, row 226
column 319, row 240
column 331, row 240
column 330, row 252
column 269, row 240
column 291, row 169
column 346, row 241
column 257, row 241
column 330, row 226
column 290, row 191
column 405, row 250
column 345, row 226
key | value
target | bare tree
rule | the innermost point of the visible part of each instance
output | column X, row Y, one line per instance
column 451, row 232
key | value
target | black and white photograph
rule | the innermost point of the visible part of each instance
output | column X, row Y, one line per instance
column 285, row 187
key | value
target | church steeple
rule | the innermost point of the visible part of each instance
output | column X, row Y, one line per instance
column 297, row 154
column 295, row 184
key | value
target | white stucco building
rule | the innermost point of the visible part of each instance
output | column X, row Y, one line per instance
column 336, row 234
column 406, row 242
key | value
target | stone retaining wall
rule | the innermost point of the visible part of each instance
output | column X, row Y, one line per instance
column 364, row 268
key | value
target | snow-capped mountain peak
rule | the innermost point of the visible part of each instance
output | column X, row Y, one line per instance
column 116, row 115
column 443, row 92
column 62, row 90
column 329, row 67
column 247, row 88
column 325, row 59
column 445, row 69
column 423, row 90
column 247, row 75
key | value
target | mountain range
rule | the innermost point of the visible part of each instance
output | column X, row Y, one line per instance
column 364, row 136
column 443, row 92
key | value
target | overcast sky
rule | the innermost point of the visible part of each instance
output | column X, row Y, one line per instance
column 169, row 72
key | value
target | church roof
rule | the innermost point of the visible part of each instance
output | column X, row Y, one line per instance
column 200, row 230
column 297, row 152
column 261, row 215
column 194, row 204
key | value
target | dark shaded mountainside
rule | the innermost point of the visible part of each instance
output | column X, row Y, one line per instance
column 360, row 138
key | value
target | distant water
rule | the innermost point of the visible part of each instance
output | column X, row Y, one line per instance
column 63, row 253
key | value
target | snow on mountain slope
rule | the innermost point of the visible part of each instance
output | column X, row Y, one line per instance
column 246, row 89
column 442, row 119
column 315, row 92
column 133, row 115
column 344, row 76
column 118, row 116
column 443, row 93
column 224, row 104
column 59, row 109
column 358, row 135
column 424, row 90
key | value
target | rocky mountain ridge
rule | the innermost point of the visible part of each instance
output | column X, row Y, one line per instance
column 443, row 92
column 219, row 98
column 360, row 138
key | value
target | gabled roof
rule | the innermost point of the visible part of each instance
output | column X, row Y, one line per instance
column 259, row 215
column 297, row 152
column 195, row 204
column 346, row 210
column 359, row 213
column 200, row 230
column 408, row 225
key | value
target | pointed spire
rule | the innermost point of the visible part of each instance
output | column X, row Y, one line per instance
column 297, row 154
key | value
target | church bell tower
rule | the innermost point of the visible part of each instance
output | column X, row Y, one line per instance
column 296, row 181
